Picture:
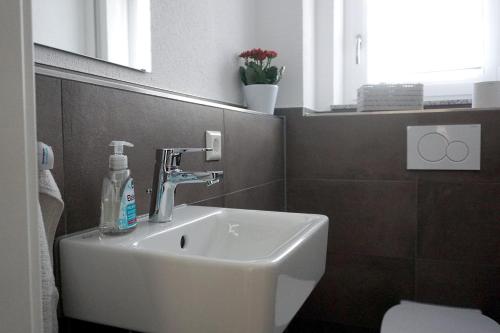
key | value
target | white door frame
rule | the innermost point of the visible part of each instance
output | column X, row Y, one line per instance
column 20, row 304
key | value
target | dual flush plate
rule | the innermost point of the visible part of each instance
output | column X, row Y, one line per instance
column 444, row 147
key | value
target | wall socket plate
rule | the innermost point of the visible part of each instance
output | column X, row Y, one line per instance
column 213, row 139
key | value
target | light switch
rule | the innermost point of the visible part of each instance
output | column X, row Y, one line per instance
column 213, row 140
column 444, row 147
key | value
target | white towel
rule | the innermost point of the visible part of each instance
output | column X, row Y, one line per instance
column 51, row 204
column 49, row 213
column 50, row 295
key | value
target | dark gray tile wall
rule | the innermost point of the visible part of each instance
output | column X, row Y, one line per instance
column 93, row 116
column 459, row 284
column 355, row 288
column 362, row 222
column 79, row 120
column 431, row 236
column 459, row 222
column 395, row 234
column 254, row 153
column 270, row 196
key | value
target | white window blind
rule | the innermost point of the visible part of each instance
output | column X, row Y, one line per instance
column 424, row 40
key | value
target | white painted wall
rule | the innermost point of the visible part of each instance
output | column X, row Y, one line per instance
column 302, row 32
column 195, row 44
column 319, row 53
column 308, row 53
column 325, row 54
column 279, row 27
column 338, row 51
column 20, row 305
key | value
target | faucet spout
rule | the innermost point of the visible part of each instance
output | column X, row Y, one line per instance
column 188, row 177
column 166, row 178
column 213, row 182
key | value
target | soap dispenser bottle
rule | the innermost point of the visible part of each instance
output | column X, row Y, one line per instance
column 118, row 210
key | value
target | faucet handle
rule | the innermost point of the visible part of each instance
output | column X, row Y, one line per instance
column 189, row 150
column 170, row 158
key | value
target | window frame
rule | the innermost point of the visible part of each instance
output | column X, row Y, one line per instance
column 354, row 75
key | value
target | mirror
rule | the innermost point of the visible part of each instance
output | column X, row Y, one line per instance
column 116, row 31
column 446, row 45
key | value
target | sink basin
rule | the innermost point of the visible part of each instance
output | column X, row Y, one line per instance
column 211, row 270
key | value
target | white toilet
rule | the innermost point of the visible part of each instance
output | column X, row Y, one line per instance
column 412, row 317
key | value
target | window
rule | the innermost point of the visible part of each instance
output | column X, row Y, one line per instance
column 123, row 32
column 444, row 44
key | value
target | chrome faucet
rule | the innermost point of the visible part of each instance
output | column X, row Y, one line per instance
column 168, row 175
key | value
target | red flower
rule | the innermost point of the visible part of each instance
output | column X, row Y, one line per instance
column 261, row 55
column 258, row 54
column 245, row 54
column 271, row 54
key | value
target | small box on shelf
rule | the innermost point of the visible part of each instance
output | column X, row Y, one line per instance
column 389, row 97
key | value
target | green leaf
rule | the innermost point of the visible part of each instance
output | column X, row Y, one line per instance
column 271, row 74
column 261, row 76
column 251, row 75
column 243, row 75
column 253, row 65
column 255, row 75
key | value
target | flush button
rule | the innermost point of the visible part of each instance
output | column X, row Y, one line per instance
column 432, row 147
column 457, row 151
column 444, row 147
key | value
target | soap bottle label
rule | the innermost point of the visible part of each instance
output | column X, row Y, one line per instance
column 128, row 215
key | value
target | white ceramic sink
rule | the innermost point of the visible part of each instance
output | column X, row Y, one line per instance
column 211, row 270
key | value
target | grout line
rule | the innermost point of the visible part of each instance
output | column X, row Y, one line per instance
column 416, row 246
column 458, row 262
column 65, row 213
column 416, row 179
column 237, row 191
column 254, row 187
column 356, row 180
column 203, row 200
column 435, row 261
column 285, row 178
column 56, row 251
column 360, row 180
column 357, row 254
column 224, row 146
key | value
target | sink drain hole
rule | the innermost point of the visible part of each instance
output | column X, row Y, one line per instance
column 183, row 242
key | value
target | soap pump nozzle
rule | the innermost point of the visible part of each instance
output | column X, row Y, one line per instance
column 118, row 161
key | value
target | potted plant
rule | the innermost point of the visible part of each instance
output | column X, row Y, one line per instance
column 260, row 79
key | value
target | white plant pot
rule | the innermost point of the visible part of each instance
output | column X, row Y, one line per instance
column 261, row 97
